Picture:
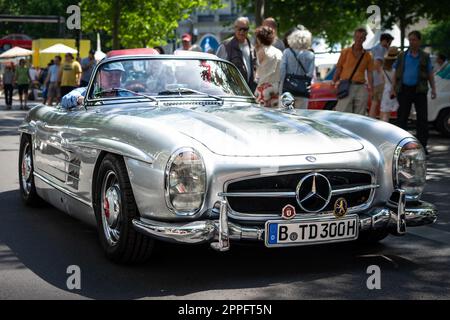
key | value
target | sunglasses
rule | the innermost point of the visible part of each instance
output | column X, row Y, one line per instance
column 243, row 29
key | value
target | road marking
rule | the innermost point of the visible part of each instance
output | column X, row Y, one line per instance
column 395, row 264
column 431, row 233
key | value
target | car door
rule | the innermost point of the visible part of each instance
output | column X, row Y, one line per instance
column 80, row 150
column 51, row 159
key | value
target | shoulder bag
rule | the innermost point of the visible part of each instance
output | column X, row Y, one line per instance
column 298, row 85
column 343, row 88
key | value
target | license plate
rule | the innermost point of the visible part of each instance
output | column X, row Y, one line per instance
column 311, row 231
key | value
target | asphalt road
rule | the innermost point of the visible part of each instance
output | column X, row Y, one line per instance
column 38, row 245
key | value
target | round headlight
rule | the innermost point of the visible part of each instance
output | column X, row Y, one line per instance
column 410, row 168
column 185, row 181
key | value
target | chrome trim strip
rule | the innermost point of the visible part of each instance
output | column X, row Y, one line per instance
column 67, row 192
column 281, row 173
column 290, row 194
column 64, row 172
column 72, row 177
column 69, row 162
column 264, row 217
column 354, row 189
column 117, row 149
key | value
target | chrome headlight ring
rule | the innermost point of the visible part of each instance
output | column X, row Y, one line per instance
column 185, row 182
column 409, row 168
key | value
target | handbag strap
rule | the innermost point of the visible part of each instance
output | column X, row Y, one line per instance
column 387, row 76
column 299, row 62
column 357, row 65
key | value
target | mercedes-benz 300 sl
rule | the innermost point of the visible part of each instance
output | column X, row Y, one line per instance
column 175, row 148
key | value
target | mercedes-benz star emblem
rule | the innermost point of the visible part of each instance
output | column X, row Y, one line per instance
column 313, row 192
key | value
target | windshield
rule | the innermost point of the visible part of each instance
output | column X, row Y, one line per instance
column 162, row 77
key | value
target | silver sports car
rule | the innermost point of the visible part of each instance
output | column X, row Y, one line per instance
column 175, row 148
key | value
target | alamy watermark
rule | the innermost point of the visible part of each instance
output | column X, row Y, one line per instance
column 74, row 280
column 374, row 280
column 73, row 22
column 374, row 20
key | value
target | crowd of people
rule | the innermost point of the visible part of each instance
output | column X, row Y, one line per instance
column 272, row 66
column 57, row 79
column 395, row 79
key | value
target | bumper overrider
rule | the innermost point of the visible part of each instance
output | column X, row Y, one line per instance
column 396, row 215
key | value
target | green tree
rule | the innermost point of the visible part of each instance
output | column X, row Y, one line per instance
column 336, row 19
column 437, row 36
column 34, row 7
column 333, row 19
column 408, row 12
column 134, row 23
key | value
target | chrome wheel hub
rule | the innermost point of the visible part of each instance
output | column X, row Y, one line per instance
column 111, row 204
column 26, row 169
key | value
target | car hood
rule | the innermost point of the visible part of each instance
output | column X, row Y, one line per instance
column 254, row 131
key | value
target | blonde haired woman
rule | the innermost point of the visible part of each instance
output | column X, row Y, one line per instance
column 298, row 60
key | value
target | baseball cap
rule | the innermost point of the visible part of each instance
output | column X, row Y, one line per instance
column 186, row 37
column 113, row 66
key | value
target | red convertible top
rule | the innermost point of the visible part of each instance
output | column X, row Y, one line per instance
column 136, row 51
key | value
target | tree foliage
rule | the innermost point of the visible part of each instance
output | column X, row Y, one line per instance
column 438, row 37
column 332, row 19
column 336, row 19
column 34, row 7
column 134, row 23
column 408, row 12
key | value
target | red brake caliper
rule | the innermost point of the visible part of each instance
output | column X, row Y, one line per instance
column 106, row 207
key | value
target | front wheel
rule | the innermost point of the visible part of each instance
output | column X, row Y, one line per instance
column 26, row 173
column 115, row 209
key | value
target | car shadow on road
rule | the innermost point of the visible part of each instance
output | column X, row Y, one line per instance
column 10, row 121
column 47, row 241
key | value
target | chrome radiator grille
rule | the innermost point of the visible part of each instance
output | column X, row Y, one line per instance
column 267, row 195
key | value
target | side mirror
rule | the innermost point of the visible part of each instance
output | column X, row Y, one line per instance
column 287, row 101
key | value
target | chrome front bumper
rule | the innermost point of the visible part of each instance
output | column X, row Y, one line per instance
column 395, row 216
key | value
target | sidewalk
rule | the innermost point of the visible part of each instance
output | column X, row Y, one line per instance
column 16, row 103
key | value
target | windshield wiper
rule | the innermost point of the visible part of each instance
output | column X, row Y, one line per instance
column 188, row 90
column 130, row 91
